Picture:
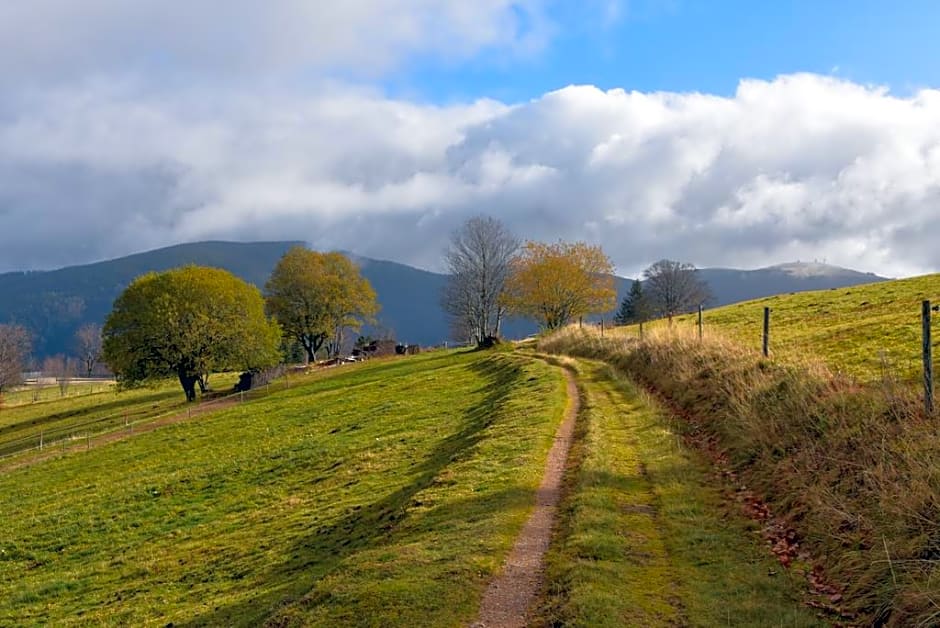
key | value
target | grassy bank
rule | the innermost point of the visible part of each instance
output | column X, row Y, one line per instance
column 866, row 332
column 852, row 469
column 646, row 539
column 383, row 494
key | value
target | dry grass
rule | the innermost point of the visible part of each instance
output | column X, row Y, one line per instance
column 855, row 469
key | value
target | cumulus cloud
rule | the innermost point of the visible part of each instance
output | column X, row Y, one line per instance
column 801, row 167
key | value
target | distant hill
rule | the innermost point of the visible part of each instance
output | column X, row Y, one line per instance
column 53, row 304
column 731, row 286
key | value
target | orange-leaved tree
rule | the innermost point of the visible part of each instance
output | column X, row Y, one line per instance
column 557, row 283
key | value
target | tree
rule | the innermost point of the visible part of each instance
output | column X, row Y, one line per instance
column 14, row 349
column 479, row 259
column 88, row 346
column 188, row 322
column 556, row 283
column 674, row 287
column 633, row 307
column 61, row 368
column 317, row 296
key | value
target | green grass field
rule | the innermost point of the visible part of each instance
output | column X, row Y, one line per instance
column 647, row 538
column 380, row 494
column 87, row 409
column 868, row 331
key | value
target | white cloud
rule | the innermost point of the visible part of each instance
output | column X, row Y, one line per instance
column 801, row 167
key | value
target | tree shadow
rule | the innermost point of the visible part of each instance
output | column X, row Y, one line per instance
column 324, row 549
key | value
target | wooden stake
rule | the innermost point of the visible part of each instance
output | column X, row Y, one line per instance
column 766, row 344
column 927, row 350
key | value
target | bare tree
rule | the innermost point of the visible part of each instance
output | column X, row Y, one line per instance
column 14, row 349
column 673, row 288
column 88, row 346
column 62, row 369
column 478, row 258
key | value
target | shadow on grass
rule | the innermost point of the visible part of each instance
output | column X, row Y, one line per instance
column 324, row 548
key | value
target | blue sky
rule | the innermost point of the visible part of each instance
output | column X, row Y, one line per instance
column 695, row 45
column 723, row 133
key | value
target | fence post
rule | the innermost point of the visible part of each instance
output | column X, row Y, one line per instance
column 40, row 440
column 641, row 330
column 766, row 344
column 928, row 358
column 700, row 322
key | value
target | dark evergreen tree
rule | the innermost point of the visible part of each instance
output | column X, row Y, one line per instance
column 631, row 308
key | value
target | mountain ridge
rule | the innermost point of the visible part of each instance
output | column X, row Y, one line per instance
column 54, row 303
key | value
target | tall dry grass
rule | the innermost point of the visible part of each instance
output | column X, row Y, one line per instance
column 854, row 469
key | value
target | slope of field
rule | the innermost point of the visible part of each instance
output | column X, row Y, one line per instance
column 866, row 331
column 386, row 491
column 85, row 410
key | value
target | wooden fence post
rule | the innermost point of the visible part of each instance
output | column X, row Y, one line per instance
column 928, row 358
column 700, row 322
column 766, row 343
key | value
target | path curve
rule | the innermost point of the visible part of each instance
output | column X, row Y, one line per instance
column 510, row 595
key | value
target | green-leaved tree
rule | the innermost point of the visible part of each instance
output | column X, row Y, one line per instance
column 316, row 296
column 188, row 322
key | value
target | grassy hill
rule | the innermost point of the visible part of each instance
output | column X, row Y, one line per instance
column 384, row 493
column 860, row 331
column 389, row 490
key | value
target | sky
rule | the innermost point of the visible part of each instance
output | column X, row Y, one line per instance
column 720, row 133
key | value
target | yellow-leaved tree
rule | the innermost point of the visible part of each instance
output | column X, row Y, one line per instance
column 316, row 296
column 188, row 322
column 557, row 283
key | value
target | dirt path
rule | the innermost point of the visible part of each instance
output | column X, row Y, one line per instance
column 510, row 596
column 55, row 450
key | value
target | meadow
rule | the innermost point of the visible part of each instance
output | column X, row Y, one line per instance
column 870, row 332
column 30, row 416
column 377, row 494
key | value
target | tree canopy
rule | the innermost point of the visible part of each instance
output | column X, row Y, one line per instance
column 188, row 322
column 673, row 288
column 479, row 259
column 316, row 296
column 556, row 283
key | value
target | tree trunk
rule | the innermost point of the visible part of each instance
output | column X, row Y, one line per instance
column 188, row 382
column 311, row 354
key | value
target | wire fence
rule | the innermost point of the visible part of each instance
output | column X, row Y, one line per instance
column 77, row 433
